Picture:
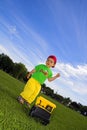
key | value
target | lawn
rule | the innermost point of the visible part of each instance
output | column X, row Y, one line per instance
column 14, row 116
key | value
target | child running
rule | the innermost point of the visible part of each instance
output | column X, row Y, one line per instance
column 38, row 75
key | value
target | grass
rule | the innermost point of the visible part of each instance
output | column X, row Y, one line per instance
column 14, row 116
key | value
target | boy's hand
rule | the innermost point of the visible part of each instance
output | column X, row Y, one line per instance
column 28, row 75
column 54, row 77
column 44, row 72
column 57, row 75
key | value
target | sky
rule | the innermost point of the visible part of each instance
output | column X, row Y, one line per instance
column 31, row 30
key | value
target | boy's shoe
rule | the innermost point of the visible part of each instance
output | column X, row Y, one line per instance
column 20, row 100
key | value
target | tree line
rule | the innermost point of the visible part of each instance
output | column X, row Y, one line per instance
column 19, row 71
column 65, row 101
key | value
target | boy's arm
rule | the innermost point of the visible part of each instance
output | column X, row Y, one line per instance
column 30, row 73
column 54, row 77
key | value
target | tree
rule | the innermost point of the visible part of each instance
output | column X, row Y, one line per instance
column 84, row 110
column 58, row 97
column 19, row 71
column 66, row 101
column 47, row 90
column 6, row 64
column 74, row 106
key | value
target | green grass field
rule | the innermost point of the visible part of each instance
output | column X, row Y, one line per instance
column 14, row 116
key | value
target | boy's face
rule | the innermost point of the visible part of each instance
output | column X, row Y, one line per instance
column 50, row 62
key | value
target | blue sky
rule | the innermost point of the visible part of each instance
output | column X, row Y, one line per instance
column 31, row 30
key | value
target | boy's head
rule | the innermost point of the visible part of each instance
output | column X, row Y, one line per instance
column 51, row 61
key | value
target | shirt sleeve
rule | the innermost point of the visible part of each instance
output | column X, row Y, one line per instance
column 50, row 74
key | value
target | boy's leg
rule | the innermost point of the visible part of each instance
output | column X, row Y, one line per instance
column 28, row 90
column 20, row 99
column 35, row 93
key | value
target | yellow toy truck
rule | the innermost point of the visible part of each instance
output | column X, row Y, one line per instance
column 42, row 109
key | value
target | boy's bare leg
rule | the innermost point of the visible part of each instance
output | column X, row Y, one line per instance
column 20, row 100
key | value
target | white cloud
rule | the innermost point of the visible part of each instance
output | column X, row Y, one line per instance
column 68, row 70
column 2, row 49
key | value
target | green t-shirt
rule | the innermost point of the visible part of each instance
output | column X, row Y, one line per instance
column 42, row 73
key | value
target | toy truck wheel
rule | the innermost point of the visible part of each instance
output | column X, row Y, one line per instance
column 45, row 122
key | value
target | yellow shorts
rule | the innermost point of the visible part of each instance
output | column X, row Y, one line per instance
column 31, row 90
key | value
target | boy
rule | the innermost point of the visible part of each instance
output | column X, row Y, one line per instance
column 39, row 74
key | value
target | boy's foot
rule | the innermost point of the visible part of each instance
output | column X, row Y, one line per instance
column 20, row 100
